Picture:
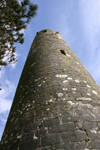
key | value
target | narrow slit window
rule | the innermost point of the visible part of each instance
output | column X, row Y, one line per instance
column 63, row 52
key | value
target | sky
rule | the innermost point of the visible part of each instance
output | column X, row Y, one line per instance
column 78, row 21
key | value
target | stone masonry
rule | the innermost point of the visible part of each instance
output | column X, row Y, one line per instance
column 57, row 102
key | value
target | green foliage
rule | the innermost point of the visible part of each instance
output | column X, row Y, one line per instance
column 45, row 30
column 14, row 17
column 89, row 139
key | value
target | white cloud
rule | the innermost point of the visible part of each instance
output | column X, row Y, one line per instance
column 90, row 21
column 90, row 18
column 5, row 98
column 22, row 31
column 19, row 1
column 6, row 92
column 5, row 105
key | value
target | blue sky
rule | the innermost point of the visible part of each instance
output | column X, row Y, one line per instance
column 78, row 21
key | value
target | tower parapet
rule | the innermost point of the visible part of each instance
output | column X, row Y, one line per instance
column 57, row 102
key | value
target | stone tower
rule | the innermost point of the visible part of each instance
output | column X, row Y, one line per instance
column 57, row 102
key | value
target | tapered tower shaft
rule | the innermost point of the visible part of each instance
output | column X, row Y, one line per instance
column 57, row 102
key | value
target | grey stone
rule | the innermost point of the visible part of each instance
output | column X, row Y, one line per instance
column 29, row 145
column 66, row 127
column 73, row 136
column 51, row 139
column 70, row 118
column 94, row 145
column 89, row 125
column 52, row 121
column 54, row 129
column 94, row 135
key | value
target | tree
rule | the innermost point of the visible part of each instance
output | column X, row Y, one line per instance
column 14, row 16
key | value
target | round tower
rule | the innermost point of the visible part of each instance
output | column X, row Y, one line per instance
column 57, row 102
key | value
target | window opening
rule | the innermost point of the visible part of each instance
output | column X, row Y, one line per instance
column 63, row 52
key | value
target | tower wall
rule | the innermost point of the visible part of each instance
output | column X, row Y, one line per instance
column 57, row 102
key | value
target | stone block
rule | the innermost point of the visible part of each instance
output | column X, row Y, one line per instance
column 73, row 136
column 54, row 129
column 95, row 145
column 66, row 127
column 89, row 125
column 41, row 132
column 70, row 118
column 51, row 122
column 50, row 139
column 31, row 144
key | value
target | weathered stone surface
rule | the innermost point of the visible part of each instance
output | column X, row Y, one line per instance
column 57, row 102
column 94, row 145
column 73, row 136
column 32, row 144
column 66, row 127
column 51, row 139
column 50, row 122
